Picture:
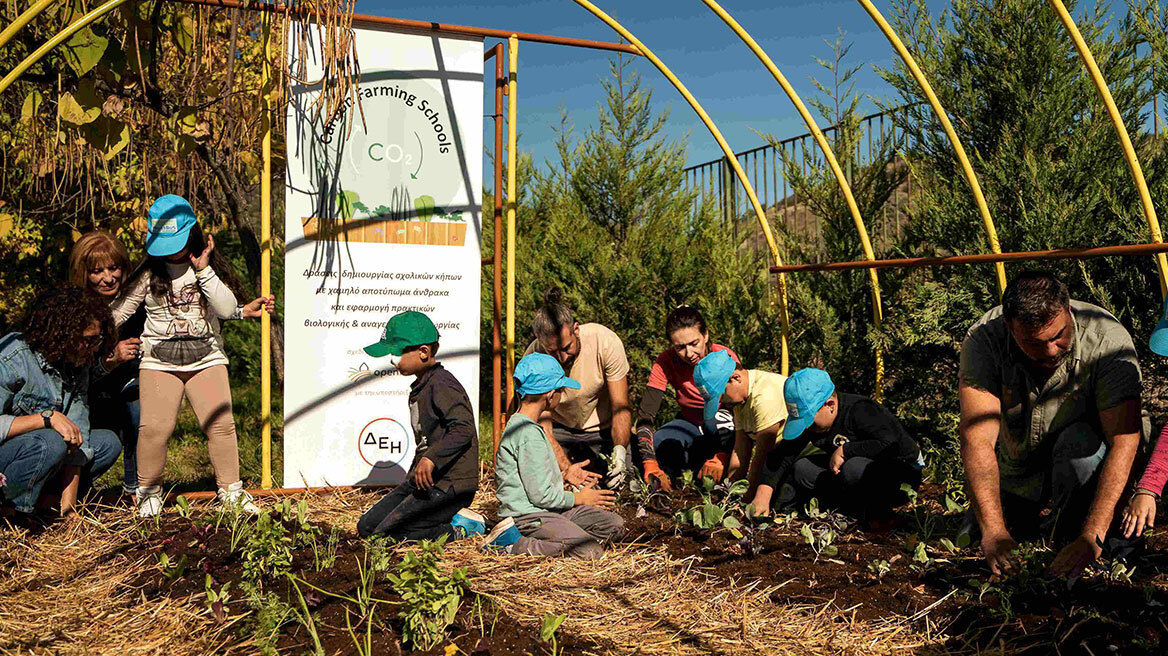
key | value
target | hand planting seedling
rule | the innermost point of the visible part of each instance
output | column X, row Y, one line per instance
column 712, row 515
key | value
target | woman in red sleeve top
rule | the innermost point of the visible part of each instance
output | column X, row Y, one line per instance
column 1141, row 507
column 686, row 442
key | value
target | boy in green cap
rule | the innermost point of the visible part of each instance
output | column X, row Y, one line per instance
column 432, row 501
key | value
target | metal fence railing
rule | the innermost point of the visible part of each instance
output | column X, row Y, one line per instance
column 714, row 182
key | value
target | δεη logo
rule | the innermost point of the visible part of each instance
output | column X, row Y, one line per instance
column 383, row 443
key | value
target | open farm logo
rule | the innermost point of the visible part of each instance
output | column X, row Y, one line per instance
column 383, row 443
column 359, row 373
column 362, row 371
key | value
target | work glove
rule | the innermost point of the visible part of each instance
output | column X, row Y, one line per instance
column 715, row 467
column 616, row 467
column 654, row 473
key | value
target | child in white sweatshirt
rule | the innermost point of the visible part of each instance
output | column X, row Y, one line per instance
column 182, row 350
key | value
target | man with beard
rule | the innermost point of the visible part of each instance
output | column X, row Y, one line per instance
column 1050, row 423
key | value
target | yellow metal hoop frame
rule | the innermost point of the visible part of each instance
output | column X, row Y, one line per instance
column 959, row 150
column 837, row 171
column 23, row 19
column 701, row 112
column 61, row 37
column 1129, row 152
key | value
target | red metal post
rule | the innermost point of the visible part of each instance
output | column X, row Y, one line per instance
column 429, row 26
column 924, row 262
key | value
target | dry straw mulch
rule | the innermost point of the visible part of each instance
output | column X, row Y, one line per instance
column 67, row 591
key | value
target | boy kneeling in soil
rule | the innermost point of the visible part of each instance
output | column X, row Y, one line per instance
column 760, row 412
column 432, row 501
column 866, row 453
column 540, row 517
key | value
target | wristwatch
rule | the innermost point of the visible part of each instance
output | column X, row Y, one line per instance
column 47, row 415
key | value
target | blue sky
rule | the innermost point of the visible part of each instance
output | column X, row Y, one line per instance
column 719, row 70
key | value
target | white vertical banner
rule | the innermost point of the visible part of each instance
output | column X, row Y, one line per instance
column 380, row 218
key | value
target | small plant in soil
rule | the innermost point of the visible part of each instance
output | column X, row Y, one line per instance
column 269, row 614
column 304, row 615
column 1119, row 572
column 267, row 551
column 430, row 596
column 820, row 540
column 711, row 514
column 326, row 557
column 171, row 569
column 547, row 630
column 184, row 507
column 217, row 598
column 878, row 568
column 926, row 522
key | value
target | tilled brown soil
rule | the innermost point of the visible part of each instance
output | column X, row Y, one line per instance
column 1098, row 614
column 478, row 629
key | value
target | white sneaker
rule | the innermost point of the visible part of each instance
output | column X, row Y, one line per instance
column 235, row 498
column 149, row 500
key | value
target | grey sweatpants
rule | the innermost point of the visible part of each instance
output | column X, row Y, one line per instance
column 576, row 532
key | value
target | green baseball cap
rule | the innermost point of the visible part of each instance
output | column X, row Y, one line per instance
column 403, row 331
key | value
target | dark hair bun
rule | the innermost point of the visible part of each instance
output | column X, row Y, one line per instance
column 553, row 296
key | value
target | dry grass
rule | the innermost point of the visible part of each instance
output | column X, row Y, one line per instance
column 67, row 591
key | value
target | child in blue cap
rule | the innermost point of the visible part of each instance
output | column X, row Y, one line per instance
column 186, row 288
column 760, row 413
column 863, row 454
column 539, row 516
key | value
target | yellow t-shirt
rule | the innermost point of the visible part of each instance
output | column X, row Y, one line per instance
column 601, row 359
column 765, row 404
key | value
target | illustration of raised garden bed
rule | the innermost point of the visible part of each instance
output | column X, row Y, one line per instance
column 425, row 225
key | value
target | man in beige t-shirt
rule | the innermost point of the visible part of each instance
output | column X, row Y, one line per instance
column 591, row 425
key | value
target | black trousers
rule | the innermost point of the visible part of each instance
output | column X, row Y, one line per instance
column 409, row 513
column 864, row 488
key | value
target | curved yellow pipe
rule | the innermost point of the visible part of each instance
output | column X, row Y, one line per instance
column 987, row 220
column 512, row 144
column 877, row 308
column 61, row 37
column 23, row 20
column 1129, row 152
column 697, row 107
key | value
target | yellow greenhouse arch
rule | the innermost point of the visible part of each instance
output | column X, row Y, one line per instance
column 871, row 264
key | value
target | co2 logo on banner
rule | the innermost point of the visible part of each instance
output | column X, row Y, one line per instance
column 383, row 443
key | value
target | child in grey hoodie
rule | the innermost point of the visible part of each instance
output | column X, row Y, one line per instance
column 540, row 517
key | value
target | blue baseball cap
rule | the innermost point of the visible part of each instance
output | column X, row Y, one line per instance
column 806, row 391
column 168, row 225
column 710, row 377
column 1159, row 339
column 539, row 373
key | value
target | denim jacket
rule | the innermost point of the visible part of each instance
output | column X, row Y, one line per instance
column 29, row 385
